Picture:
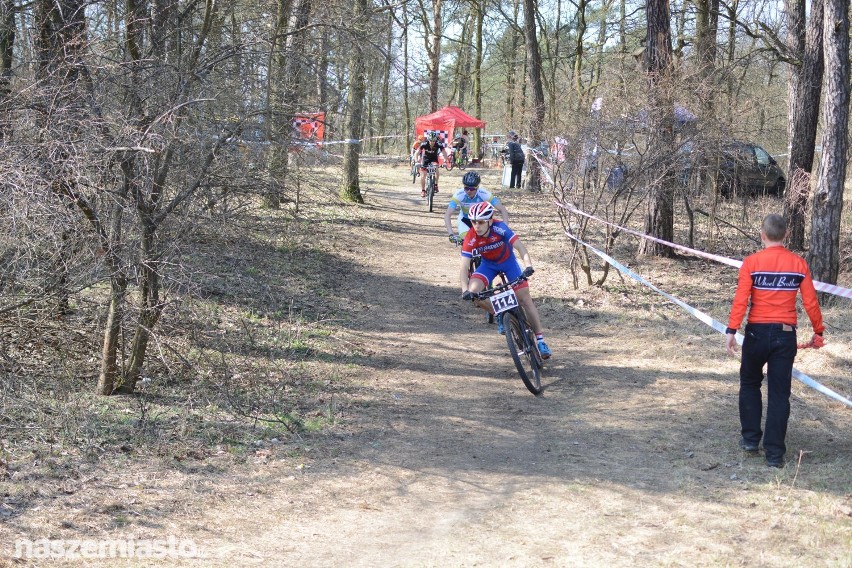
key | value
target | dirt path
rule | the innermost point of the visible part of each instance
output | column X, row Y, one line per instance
column 628, row 459
column 444, row 459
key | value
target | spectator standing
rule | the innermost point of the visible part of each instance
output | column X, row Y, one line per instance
column 767, row 286
column 515, row 154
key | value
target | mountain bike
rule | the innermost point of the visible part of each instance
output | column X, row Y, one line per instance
column 459, row 158
column 415, row 170
column 431, row 169
column 520, row 337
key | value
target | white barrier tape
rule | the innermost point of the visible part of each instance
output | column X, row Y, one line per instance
column 722, row 259
column 544, row 166
column 821, row 286
column 718, row 326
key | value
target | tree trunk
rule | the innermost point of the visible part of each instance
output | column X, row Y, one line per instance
column 706, row 30
column 405, row 63
column 7, row 43
column 112, row 332
column 322, row 74
column 291, row 79
column 659, row 218
column 553, row 108
column 110, row 243
column 276, row 129
column 511, row 66
column 435, row 53
column 477, row 76
column 804, row 88
column 150, row 307
column 824, row 252
column 350, row 189
column 533, row 181
column 383, row 111
column 579, row 49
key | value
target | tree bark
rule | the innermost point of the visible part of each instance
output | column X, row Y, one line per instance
column 150, row 309
column 659, row 218
column 579, row 50
column 433, row 50
column 477, row 76
column 405, row 69
column 824, row 252
column 804, row 88
column 511, row 65
column 533, row 181
column 7, row 44
column 350, row 189
column 386, row 72
column 276, row 129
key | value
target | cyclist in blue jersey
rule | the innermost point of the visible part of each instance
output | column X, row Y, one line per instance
column 496, row 243
column 461, row 202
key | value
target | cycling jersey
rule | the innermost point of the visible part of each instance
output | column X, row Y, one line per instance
column 497, row 252
column 772, row 278
column 429, row 153
column 495, row 247
column 461, row 201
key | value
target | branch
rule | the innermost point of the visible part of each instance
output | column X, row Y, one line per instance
column 769, row 37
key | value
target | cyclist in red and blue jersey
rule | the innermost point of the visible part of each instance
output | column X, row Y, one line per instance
column 463, row 199
column 428, row 154
column 496, row 244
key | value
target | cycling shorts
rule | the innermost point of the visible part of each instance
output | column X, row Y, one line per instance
column 488, row 271
column 426, row 163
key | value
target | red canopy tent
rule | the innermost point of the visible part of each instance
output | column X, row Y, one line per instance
column 445, row 121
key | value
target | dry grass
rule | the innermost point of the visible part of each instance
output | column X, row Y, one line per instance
column 323, row 399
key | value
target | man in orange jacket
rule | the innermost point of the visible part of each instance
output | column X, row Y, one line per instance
column 771, row 279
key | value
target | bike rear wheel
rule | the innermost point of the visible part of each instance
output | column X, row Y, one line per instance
column 414, row 173
column 522, row 346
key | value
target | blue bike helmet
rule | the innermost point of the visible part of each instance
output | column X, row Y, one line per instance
column 471, row 179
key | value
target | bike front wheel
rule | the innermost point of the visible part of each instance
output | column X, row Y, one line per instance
column 430, row 193
column 524, row 350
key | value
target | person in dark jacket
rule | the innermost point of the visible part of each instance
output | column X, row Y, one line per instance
column 515, row 154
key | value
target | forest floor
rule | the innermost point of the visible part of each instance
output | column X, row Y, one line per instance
column 433, row 453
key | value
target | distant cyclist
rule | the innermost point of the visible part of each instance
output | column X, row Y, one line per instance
column 420, row 140
column 466, row 147
column 427, row 154
column 463, row 199
column 459, row 149
column 496, row 243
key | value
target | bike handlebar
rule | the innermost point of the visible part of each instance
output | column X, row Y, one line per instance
column 499, row 288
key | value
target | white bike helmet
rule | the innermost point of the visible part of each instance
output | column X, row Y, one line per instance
column 481, row 211
column 431, row 136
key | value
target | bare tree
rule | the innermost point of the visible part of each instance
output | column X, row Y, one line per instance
column 350, row 188
column 432, row 20
column 804, row 84
column 659, row 218
column 824, row 252
column 533, row 181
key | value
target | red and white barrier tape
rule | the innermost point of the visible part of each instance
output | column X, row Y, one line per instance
column 698, row 314
column 821, row 286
